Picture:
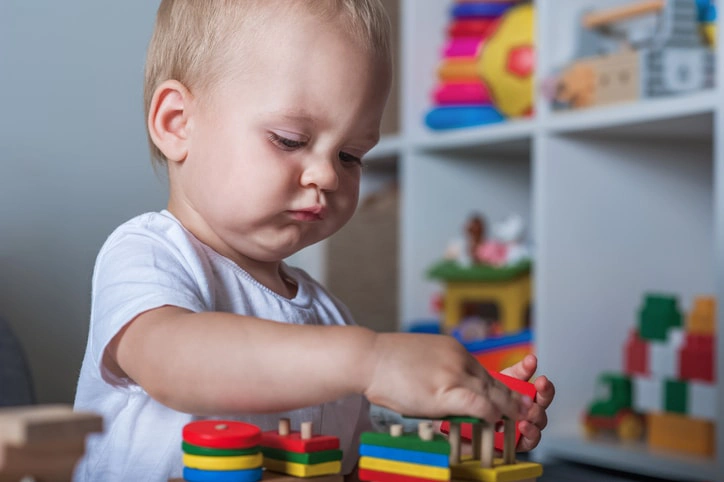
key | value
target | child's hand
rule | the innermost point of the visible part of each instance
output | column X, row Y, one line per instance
column 535, row 419
column 433, row 376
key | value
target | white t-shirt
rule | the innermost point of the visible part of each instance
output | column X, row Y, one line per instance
column 152, row 261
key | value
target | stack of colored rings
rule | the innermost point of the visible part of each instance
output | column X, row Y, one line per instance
column 221, row 451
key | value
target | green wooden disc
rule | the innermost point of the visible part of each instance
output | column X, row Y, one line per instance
column 409, row 441
column 308, row 458
column 196, row 450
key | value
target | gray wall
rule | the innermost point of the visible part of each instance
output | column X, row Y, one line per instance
column 73, row 165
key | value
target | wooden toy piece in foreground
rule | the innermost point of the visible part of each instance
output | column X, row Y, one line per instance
column 300, row 454
column 44, row 442
column 399, row 457
column 275, row 477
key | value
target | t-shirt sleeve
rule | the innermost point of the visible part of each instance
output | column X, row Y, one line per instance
column 138, row 270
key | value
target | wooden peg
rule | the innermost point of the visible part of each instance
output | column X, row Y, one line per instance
column 616, row 14
column 454, row 439
column 284, row 426
column 396, row 430
column 306, row 430
column 424, row 430
column 508, row 441
column 487, row 447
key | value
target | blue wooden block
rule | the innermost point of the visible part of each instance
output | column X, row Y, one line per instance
column 198, row 475
column 403, row 455
column 480, row 10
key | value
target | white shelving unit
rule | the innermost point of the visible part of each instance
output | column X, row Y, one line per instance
column 621, row 201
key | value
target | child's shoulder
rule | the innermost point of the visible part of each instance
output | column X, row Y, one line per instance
column 148, row 228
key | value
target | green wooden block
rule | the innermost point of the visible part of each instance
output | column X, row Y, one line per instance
column 305, row 458
column 658, row 314
column 675, row 398
column 408, row 441
column 458, row 419
column 452, row 271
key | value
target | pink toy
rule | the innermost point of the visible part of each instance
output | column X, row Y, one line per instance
column 493, row 253
column 462, row 47
column 448, row 93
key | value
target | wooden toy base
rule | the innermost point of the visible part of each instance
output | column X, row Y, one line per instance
column 275, row 477
column 518, row 472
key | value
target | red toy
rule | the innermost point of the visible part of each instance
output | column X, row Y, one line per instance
column 520, row 386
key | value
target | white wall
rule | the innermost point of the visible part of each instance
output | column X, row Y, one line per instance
column 73, row 165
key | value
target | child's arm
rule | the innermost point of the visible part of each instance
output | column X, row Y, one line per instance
column 221, row 363
column 536, row 419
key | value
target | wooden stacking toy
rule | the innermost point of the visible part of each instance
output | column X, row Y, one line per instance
column 43, row 442
column 221, row 451
column 300, row 454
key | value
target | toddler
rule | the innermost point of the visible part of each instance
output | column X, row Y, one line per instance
column 260, row 111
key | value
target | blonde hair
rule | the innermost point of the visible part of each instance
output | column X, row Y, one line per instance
column 192, row 38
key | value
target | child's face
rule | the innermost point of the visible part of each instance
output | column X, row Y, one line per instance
column 273, row 160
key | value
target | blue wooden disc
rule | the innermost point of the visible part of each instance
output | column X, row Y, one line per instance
column 198, row 475
column 455, row 117
column 480, row 10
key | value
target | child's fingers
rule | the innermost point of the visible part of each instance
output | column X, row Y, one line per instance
column 468, row 401
column 506, row 401
column 545, row 391
column 537, row 416
column 524, row 369
column 530, row 436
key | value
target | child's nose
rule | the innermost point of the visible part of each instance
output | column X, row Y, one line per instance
column 322, row 173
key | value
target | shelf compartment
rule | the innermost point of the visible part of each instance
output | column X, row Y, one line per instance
column 683, row 117
column 630, row 457
column 514, row 136
column 389, row 148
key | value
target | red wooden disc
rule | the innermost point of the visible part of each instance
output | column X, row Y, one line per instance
column 222, row 434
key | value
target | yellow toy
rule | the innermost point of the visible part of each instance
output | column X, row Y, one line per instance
column 506, row 63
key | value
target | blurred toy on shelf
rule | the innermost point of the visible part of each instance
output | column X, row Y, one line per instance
column 612, row 409
column 707, row 20
column 487, row 296
column 650, row 48
column 486, row 71
column 668, row 380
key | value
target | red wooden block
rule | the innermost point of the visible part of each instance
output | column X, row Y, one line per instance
column 697, row 358
column 294, row 442
column 520, row 386
column 377, row 476
column 222, row 434
column 480, row 28
column 636, row 355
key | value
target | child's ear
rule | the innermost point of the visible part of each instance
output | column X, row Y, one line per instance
column 168, row 119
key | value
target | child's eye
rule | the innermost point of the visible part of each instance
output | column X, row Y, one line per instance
column 285, row 143
column 346, row 157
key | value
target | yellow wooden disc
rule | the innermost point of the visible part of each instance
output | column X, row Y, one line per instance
column 236, row 462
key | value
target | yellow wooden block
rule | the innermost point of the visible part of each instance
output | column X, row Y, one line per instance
column 45, row 423
column 235, row 462
column 302, row 470
column 275, row 477
column 681, row 434
column 702, row 316
column 519, row 471
column 513, row 297
column 404, row 468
